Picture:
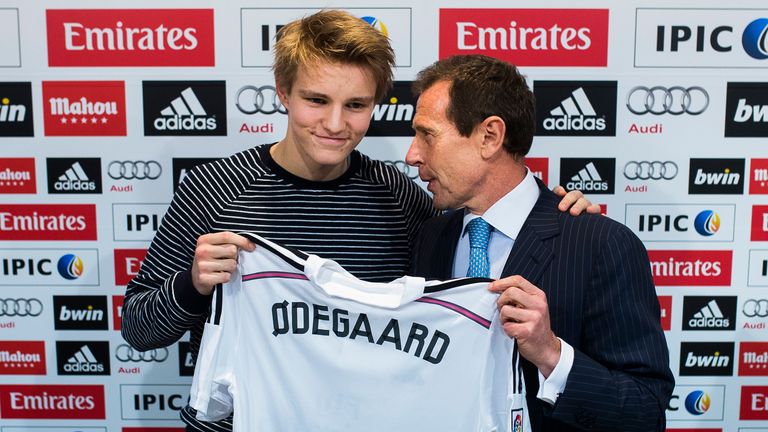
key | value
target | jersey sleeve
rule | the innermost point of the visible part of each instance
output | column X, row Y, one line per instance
column 161, row 303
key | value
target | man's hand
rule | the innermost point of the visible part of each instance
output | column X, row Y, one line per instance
column 575, row 201
column 216, row 259
column 525, row 316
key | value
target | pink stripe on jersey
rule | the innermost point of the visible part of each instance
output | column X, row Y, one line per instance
column 458, row 309
column 279, row 275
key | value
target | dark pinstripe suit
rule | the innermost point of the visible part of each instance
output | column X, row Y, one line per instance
column 602, row 301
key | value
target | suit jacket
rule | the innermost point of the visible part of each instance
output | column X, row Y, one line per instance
column 602, row 301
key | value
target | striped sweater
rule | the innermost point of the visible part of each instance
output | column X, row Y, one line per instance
column 366, row 220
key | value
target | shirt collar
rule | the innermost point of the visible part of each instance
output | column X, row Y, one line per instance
column 508, row 214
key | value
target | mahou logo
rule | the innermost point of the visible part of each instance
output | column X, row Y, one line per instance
column 52, row 401
column 48, row 222
column 84, row 108
column 753, row 359
column 528, row 37
column 689, row 267
column 22, row 358
column 758, row 179
column 539, row 167
column 17, row 176
column 130, row 37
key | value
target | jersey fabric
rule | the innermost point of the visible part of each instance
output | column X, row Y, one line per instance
column 295, row 342
column 366, row 220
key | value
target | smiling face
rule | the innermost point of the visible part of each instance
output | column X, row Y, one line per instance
column 450, row 163
column 329, row 111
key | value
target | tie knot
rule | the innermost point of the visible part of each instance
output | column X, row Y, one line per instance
column 479, row 231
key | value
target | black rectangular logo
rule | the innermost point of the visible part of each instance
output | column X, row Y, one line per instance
column 74, row 175
column 186, row 108
column 591, row 176
column 709, row 313
column 16, row 109
column 716, row 176
column 575, row 108
column 80, row 313
column 394, row 114
column 186, row 362
column 181, row 167
column 746, row 110
column 706, row 358
column 82, row 357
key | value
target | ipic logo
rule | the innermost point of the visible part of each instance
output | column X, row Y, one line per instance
column 49, row 267
column 82, row 357
column 185, row 108
column 716, row 176
column 16, row 108
column 696, row 402
column 70, row 266
column 746, row 109
column 596, row 176
column 152, row 402
column 682, row 222
column 706, row 358
column 136, row 222
column 80, row 312
column 74, row 175
column 709, row 313
column 393, row 116
column 575, row 108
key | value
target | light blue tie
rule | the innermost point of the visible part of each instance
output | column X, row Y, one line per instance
column 479, row 233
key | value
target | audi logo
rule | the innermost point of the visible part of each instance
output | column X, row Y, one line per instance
column 20, row 307
column 251, row 100
column 650, row 170
column 674, row 100
column 409, row 171
column 755, row 308
column 126, row 353
column 134, row 170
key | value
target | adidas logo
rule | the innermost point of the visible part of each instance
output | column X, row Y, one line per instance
column 575, row 113
column 709, row 316
column 83, row 361
column 74, row 179
column 587, row 179
column 185, row 113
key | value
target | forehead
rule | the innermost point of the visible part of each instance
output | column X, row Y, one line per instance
column 331, row 78
column 432, row 105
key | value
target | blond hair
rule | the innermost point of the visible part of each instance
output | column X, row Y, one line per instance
column 337, row 37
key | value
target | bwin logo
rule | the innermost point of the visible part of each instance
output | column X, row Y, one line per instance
column 88, row 314
column 754, row 113
column 11, row 113
column 715, row 361
column 717, row 178
column 575, row 113
column 392, row 111
column 185, row 113
column 707, row 223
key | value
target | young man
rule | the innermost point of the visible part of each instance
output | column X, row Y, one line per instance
column 577, row 292
column 310, row 191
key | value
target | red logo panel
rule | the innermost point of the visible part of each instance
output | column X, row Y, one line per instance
column 527, row 37
column 759, row 223
column 48, row 222
column 52, row 402
column 758, row 178
column 665, row 302
column 17, row 176
column 539, row 167
column 84, row 108
column 753, row 359
column 117, row 312
column 754, row 403
column 22, row 358
column 130, row 37
column 127, row 264
column 691, row 267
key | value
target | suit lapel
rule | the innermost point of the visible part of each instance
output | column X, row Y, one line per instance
column 446, row 252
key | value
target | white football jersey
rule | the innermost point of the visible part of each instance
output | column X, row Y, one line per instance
column 296, row 343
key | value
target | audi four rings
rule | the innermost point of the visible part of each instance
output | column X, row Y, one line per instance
column 650, row 170
column 404, row 168
column 755, row 308
column 134, row 170
column 20, row 307
column 673, row 100
column 263, row 100
column 127, row 353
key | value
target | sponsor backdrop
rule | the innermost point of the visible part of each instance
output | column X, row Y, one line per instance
column 658, row 110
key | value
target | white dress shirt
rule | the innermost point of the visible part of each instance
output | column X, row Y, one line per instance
column 507, row 216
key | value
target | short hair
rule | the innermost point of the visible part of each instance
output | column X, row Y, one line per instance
column 481, row 87
column 337, row 37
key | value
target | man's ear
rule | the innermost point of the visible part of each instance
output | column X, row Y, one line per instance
column 492, row 131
